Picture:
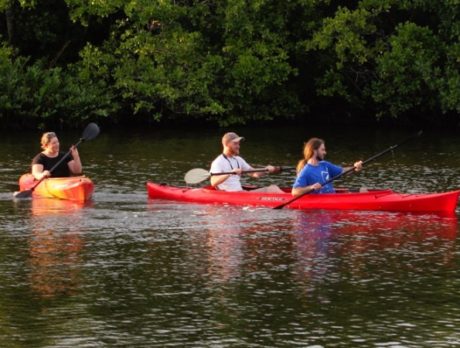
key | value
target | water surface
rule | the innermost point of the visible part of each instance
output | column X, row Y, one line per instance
column 125, row 271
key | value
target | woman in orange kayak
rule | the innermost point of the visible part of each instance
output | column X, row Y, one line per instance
column 45, row 160
column 313, row 171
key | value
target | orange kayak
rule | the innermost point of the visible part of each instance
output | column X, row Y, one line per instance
column 75, row 188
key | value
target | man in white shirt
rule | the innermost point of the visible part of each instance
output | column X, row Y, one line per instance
column 230, row 161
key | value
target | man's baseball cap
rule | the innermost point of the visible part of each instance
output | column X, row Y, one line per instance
column 231, row 137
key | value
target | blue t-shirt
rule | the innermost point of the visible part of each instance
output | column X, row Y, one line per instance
column 321, row 173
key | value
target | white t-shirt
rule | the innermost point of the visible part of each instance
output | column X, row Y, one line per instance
column 223, row 164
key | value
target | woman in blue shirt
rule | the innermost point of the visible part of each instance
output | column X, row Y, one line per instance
column 313, row 171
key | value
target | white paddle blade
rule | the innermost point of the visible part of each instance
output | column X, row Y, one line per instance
column 197, row 175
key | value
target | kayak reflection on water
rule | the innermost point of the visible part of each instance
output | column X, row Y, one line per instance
column 55, row 250
column 326, row 240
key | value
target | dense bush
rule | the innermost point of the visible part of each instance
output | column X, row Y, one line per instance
column 227, row 62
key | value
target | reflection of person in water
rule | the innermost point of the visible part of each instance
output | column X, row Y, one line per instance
column 54, row 254
column 312, row 235
column 53, row 257
column 224, row 245
column 236, row 242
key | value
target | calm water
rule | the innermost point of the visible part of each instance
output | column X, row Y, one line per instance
column 125, row 271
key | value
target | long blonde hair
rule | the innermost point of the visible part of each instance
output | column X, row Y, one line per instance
column 308, row 151
column 46, row 139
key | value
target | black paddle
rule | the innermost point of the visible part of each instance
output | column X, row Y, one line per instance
column 197, row 175
column 281, row 206
column 91, row 131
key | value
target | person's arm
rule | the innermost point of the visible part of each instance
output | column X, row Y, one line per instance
column 297, row 191
column 38, row 167
column 302, row 184
column 357, row 165
column 38, row 172
column 74, row 165
column 269, row 170
column 219, row 179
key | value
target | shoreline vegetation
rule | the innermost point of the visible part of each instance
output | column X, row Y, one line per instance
column 64, row 63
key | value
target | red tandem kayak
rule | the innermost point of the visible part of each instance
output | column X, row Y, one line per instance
column 74, row 188
column 373, row 200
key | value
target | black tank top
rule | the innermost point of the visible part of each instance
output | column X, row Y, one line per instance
column 48, row 162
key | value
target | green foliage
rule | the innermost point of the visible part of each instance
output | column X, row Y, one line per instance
column 227, row 62
column 4, row 4
column 180, row 70
column 411, row 68
column 347, row 40
column 449, row 83
column 32, row 95
column 376, row 54
column 346, row 35
column 257, row 63
column 81, row 10
column 166, row 72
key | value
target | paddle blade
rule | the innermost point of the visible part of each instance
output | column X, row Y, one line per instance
column 197, row 175
column 22, row 194
column 91, row 131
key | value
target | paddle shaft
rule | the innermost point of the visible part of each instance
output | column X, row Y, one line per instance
column 370, row 159
column 259, row 170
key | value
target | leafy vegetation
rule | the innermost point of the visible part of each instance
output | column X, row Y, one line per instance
column 232, row 62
